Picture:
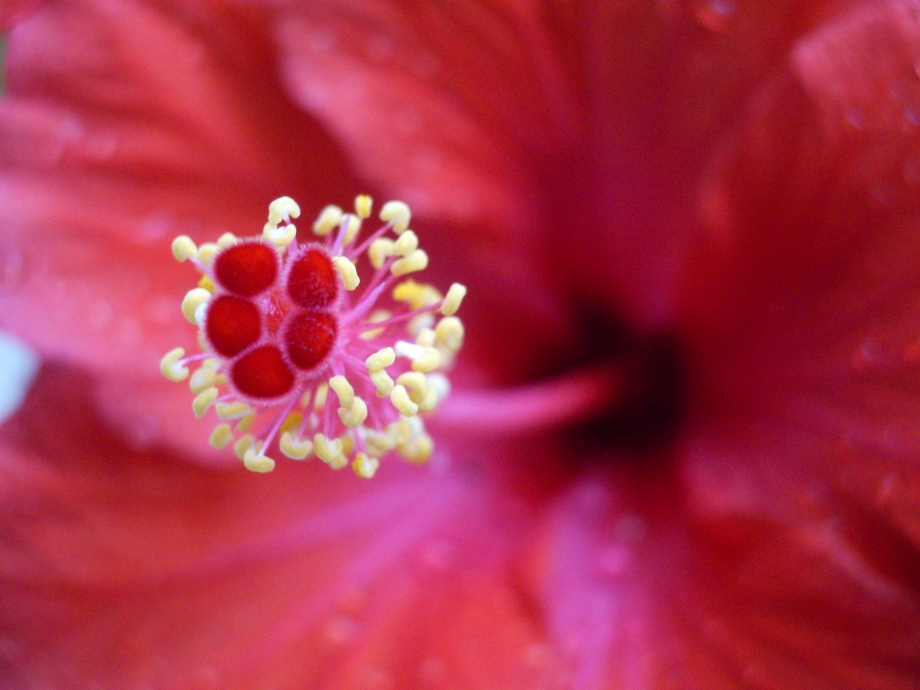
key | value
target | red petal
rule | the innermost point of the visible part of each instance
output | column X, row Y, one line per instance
column 123, row 126
column 127, row 568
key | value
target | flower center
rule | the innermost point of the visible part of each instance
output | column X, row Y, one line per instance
column 284, row 326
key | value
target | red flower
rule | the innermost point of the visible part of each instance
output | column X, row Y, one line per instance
column 690, row 232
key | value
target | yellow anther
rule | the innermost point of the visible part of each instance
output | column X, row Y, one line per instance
column 221, row 437
column 363, row 205
column 348, row 272
column 292, row 422
column 183, row 248
column 355, row 414
column 243, row 444
column 279, row 236
column 329, row 219
column 295, row 448
column 449, row 333
column 383, row 381
column 245, row 424
column 203, row 401
column 202, row 379
column 234, row 410
column 425, row 337
column 381, row 359
column 228, row 239
column 417, row 295
column 170, row 367
column 380, row 250
column 414, row 427
column 454, row 297
column 401, row 401
column 430, row 401
column 400, row 430
column 327, row 450
column 193, row 299
column 406, row 244
column 415, row 383
column 338, row 462
column 416, row 261
column 417, row 449
column 397, row 213
column 207, row 252
column 255, row 461
column 207, row 284
column 283, row 208
column 381, row 443
column 364, row 466
column 430, row 361
column 343, row 389
column 351, row 230
column 321, row 394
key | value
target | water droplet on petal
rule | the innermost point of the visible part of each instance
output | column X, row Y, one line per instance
column 631, row 529
column 100, row 315
column 340, row 630
column 12, row 267
column 432, row 672
column 100, row 146
column 889, row 488
column 374, row 678
column 438, row 554
column 855, row 117
column 613, row 562
column 380, row 47
column 714, row 14
column 321, row 39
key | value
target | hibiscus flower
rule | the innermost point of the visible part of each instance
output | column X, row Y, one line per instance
column 682, row 446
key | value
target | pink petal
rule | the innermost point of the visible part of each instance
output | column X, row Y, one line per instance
column 124, row 126
column 570, row 133
column 129, row 568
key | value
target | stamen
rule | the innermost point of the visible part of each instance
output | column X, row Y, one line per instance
column 279, row 319
column 414, row 262
column 329, row 219
column 204, row 400
column 183, row 248
column 454, row 297
column 221, row 437
column 363, row 206
column 379, row 360
column 401, row 401
column 170, row 366
column 348, row 273
column 192, row 301
column 397, row 213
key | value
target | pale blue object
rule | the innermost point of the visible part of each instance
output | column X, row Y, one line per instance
column 19, row 364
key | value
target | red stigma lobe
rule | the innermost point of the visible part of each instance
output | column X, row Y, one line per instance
column 312, row 282
column 232, row 324
column 309, row 338
column 247, row 268
column 262, row 373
